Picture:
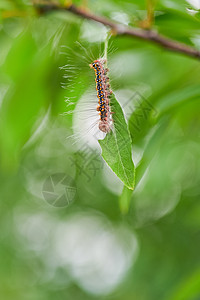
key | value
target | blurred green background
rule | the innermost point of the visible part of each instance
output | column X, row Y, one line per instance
column 82, row 246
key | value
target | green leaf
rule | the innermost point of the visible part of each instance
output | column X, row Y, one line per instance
column 188, row 288
column 116, row 147
column 177, row 98
column 25, row 102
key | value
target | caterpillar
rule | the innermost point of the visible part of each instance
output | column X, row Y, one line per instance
column 103, row 94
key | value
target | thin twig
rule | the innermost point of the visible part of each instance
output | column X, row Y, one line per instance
column 119, row 29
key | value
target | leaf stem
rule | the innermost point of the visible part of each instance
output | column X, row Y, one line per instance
column 105, row 56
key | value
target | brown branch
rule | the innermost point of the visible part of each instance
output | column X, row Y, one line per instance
column 119, row 29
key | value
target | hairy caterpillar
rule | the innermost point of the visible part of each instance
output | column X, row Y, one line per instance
column 89, row 123
column 103, row 94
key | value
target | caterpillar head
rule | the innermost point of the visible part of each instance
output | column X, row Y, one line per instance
column 104, row 126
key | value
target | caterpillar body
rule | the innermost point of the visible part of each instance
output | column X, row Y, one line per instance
column 103, row 94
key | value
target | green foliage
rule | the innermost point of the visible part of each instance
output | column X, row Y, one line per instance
column 124, row 200
column 116, row 147
column 124, row 232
